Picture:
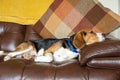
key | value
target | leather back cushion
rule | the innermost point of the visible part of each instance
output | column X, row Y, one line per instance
column 31, row 34
column 11, row 35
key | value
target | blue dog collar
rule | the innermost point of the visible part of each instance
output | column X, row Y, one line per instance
column 72, row 48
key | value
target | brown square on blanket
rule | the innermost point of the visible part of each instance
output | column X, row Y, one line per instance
column 65, row 17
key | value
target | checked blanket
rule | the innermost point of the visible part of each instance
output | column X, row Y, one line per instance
column 65, row 17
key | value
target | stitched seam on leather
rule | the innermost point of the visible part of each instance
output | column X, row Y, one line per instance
column 55, row 72
column 23, row 72
column 88, row 73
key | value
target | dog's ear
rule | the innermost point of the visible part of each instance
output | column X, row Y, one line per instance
column 78, row 40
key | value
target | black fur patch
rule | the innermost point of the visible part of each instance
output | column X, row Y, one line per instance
column 46, row 43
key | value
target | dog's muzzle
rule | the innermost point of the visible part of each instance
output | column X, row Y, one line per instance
column 100, row 37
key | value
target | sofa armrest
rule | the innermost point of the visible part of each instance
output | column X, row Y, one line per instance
column 109, row 63
column 101, row 53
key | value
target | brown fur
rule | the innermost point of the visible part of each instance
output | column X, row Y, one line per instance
column 53, row 48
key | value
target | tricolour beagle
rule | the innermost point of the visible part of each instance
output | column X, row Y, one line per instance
column 48, row 50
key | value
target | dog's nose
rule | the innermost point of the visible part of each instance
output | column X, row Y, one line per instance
column 104, row 35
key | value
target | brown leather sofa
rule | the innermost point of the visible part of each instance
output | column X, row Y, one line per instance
column 99, row 61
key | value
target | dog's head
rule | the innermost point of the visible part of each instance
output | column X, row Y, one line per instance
column 86, row 37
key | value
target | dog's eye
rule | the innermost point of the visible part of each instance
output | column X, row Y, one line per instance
column 91, row 32
column 84, row 33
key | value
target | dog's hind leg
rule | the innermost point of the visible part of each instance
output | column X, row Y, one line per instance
column 21, row 49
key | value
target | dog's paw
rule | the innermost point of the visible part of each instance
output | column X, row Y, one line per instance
column 47, row 58
column 40, row 52
column 6, row 58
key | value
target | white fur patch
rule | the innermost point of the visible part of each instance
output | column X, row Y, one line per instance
column 1, row 53
column 64, row 54
column 100, row 37
column 40, row 52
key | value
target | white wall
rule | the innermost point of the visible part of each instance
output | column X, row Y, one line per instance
column 114, row 5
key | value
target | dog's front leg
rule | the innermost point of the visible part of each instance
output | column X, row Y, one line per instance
column 48, row 57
